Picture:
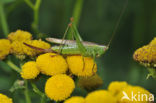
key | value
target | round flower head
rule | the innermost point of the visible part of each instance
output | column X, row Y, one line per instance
column 130, row 91
column 29, row 70
column 51, row 64
column 81, row 66
column 36, row 43
column 100, row 96
column 5, row 99
column 20, row 36
column 4, row 48
column 153, row 42
column 59, row 87
column 116, row 86
column 75, row 99
column 146, row 55
column 90, row 83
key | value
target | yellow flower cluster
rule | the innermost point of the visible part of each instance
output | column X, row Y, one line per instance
column 5, row 46
column 117, row 89
column 146, row 55
column 18, row 48
column 5, row 99
column 18, row 38
column 81, row 66
column 90, row 83
column 15, row 45
column 59, row 87
column 115, row 93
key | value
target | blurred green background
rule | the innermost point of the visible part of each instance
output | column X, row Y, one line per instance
column 96, row 24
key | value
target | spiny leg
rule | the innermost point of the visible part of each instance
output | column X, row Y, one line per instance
column 93, row 68
column 83, row 59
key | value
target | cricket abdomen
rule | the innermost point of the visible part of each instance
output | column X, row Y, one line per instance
column 67, row 50
column 90, row 51
column 72, row 50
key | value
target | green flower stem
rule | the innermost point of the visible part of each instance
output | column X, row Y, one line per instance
column 152, row 73
column 43, row 99
column 13, row 66
column 26, row 93
column 36, row 16
column 36, row 90
column 29, row 3
column 77, row 11
column 35, row 7
column 35, row 21
column 3, row 20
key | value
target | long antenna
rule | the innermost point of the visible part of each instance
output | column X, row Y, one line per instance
column 118, row 22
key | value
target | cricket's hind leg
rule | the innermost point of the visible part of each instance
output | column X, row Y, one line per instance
column 94, row 56
column 83, row 59
column 93, row 68
column 84, row 64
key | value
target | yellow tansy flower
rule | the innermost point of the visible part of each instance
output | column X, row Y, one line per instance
column 90, row 83
column 59, row 87
column 146, row 55
column 82, row 66
column 20, row 36
column 51, row 64
column 132, row 91
column 17, row 48
column 5, row 99
column 4, row 48
column 75, row 99
column 36, row 43
column 153, row 42
column 29, row 70
column 100, row 96
column 115, row 87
